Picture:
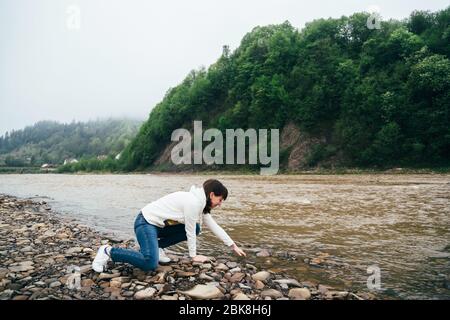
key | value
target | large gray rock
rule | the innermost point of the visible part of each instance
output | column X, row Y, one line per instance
column 203, row 292
column 22, row 266
column 299, row 294
column 272, row 293
column 145, row 294
column 261, row 276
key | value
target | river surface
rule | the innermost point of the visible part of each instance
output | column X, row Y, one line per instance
column 340, row 227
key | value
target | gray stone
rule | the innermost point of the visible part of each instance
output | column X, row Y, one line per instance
column 103, row 275
column 272, row 293
column 237, row 277
column 145, row 294
column 289, row 282
column 241, row 296
column 26, row 249
column 259, row 285
column 204, row 276
column 263, row 253
column 55, row 284
column 21, row 267
column 221, row 267
column 299, row 293
column 6, row 295
column 261, row 276
column 167, row 297
column 74, row 250
column 243, row 286
column 203, row 292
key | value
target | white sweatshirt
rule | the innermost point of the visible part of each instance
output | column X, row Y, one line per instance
column 187, row 208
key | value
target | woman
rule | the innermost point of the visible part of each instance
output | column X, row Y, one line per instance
column 169, row 220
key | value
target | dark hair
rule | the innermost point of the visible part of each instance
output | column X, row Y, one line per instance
column 213, row 185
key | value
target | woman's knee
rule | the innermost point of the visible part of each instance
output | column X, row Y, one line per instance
column 150, row 264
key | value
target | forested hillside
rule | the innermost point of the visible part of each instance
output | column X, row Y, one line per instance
column 370, row 97
column 53, row 142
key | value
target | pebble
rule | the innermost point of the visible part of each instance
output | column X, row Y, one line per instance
column 74, row 250
column 259, row 285
column 103, row 276
column 222, row 267
column 167, row 297
column 263, row 253
column 204, row 276
column 237, row 277
column 288, row 282
column 55, row 284
column 241, row 296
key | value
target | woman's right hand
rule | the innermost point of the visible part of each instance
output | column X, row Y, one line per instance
column 238, row 250
column 200, row 258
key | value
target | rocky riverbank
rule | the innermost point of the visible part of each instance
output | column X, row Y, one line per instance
column 45, row 256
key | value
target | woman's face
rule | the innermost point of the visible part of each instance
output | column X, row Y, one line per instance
column 215, row 200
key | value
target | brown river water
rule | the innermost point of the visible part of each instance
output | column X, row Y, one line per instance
column 337, row 226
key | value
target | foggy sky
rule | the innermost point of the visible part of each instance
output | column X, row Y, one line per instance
column 123, row 56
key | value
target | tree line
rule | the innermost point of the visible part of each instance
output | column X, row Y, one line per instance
column 380, row 96
column 53, row 142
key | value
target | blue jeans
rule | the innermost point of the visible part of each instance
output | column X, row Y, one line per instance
column 150, row 239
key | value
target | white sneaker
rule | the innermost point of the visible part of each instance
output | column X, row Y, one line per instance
column 101, row 259
column 163, row 257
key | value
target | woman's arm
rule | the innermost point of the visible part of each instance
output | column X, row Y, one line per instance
column 190, row 220
column 221, row 234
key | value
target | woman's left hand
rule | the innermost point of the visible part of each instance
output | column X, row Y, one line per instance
column 238, row 250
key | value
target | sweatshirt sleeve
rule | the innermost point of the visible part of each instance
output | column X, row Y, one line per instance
column 190, row 220
column 217, row 230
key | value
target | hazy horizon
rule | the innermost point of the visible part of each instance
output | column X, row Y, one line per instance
column 119, row 59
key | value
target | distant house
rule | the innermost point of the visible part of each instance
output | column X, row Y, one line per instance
column 102, row 157
column 47, row 166
column 70, row 160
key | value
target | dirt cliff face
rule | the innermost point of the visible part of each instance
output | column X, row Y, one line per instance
column 164, row 157
column 296, row 143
